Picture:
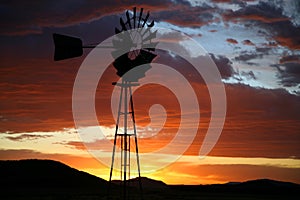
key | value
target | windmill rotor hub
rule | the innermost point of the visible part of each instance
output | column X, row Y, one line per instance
column 136, row 39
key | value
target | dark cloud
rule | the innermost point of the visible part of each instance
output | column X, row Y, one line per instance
column 224, row 65
column 269, row 45
column 187, row 16
column 248, row 56
column 248, row 75
column 221, row 1
column 271, row 18
column 289, row 73
column 264, row 50
column 290, row 58
column 232, row 41
column 289, row 70
column 21, row 18
column 248, row 42
column 239, row 2
column 23, row 137
column 286, row 34
column 288, row 67
column 262, row 12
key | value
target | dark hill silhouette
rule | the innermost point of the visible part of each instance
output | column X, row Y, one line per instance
column 47, row 179
column 253, row 189
column 44, row 173
column 147, row 183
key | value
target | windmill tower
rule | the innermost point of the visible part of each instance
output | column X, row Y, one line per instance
column 135, row 38
column 136, row 34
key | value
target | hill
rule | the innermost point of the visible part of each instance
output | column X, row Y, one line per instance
column 47, row 179
column 147, row 183
column 254, row 189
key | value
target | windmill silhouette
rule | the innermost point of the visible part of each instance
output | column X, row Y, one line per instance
column 135, row 38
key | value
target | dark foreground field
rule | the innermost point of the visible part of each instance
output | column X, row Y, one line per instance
column 49, row 180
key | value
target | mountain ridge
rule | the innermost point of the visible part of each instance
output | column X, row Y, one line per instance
column 41, row 178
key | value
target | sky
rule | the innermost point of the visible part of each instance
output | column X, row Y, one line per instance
column 254, row 44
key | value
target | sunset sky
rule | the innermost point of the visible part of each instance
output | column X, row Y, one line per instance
column 254, row 44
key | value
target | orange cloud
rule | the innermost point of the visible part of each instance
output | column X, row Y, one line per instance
column 78, row 162
column 210, row 174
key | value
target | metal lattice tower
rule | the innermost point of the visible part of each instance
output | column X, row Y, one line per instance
column 134, row 27
column 125, row 138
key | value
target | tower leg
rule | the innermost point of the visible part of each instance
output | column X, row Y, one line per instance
column 125, row 141
column 115, row 141
column 136, row 143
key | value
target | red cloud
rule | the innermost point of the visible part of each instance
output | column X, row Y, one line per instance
column 76, row 145
column 248, row 42
column 263, row 12
column 255, row 17
column 272, row 19
column 232, row 41
column 290, row 58
column 31, row 17
column 291, row 42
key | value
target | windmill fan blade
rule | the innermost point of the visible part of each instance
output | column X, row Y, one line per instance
column 140, row 17
column 134, row 16
column 151, row 24
column 145, row 19
column 66, row 47
column 123, row 24
column 128, row 19
column 117, row 31
column 150, row 36
column 125, row 44
column 144, row 31
column 120, row 45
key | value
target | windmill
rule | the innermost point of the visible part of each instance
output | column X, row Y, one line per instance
column 135, row 38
